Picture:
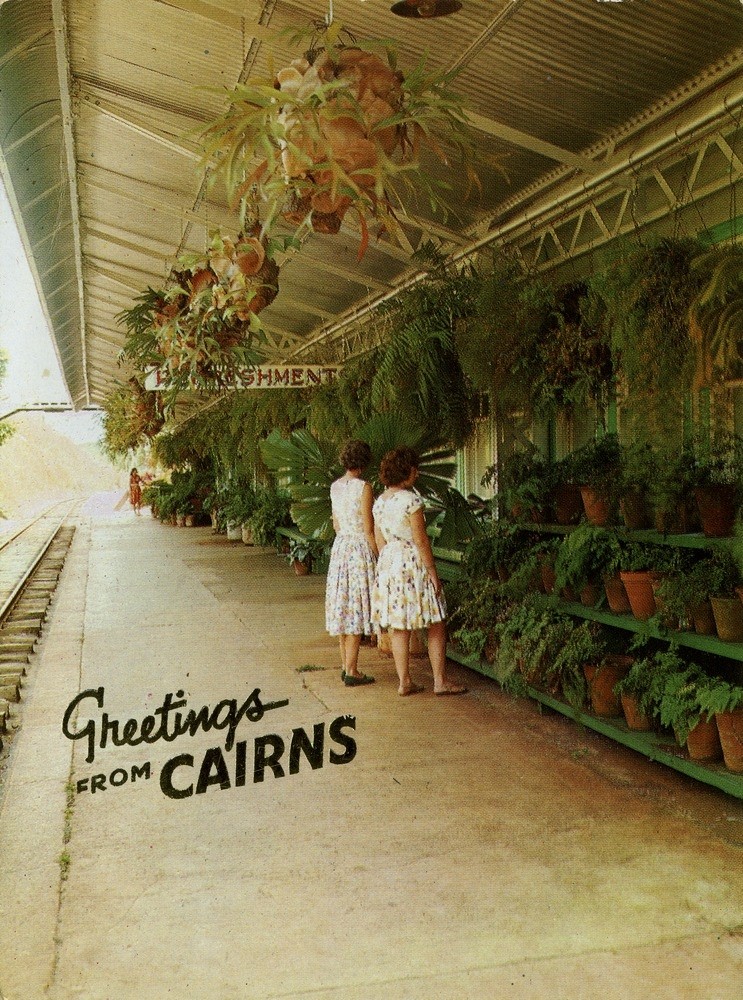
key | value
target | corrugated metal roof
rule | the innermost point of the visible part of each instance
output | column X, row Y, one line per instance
column 99, row 101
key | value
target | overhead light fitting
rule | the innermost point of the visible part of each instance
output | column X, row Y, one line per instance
column 426, row 8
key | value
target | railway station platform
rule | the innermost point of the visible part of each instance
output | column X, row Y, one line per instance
column 304, row 839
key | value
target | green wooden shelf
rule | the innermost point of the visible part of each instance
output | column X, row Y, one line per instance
column 651, row 745
column 693, row 640
column 692, row 540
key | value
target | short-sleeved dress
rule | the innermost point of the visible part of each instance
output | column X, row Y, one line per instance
column 351, row 570
column 404, row 595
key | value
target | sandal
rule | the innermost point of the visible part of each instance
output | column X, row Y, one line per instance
column 452, row 689
column 352, row 680
column 413, row 689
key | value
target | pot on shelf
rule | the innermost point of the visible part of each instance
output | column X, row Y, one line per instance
column 703, row 618
column 300, row 567
column 703, row 742
column 568, row 503
column 730, row 728
column 639, row 587
column 601, row 680
column 596, row 505
column 634, row 510
column 616, row 595
column 635, row 719
column 717, row 505
column 728, row 612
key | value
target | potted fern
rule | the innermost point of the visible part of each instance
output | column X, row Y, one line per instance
column 725, row 701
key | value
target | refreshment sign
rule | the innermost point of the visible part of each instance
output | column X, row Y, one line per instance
column 266, row 377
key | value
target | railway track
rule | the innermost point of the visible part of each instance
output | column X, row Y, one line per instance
column 31, row 560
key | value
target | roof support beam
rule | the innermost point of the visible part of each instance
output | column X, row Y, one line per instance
column 63, row 73
column 139, row 125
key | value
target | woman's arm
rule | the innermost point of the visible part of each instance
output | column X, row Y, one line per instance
column 367, row 517
column 423, row 543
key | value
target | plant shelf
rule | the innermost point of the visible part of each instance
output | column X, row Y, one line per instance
column 651, row 745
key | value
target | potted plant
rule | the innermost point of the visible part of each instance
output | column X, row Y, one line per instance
column 597, row 468
column 492, row 553
column 271, row 512
column 636, row 473
column 719, row 474
column 635, row 691
column 580, row 646
column 724, row 700
column 524, row 483
column 586, row 557
column 302, row 552
column 680, row 708
column 566, row 499
column 684, row 594
column 671, row 489
column 640, row 568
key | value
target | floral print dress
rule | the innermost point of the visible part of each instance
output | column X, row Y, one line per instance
column 404, row 595
column 351, row 570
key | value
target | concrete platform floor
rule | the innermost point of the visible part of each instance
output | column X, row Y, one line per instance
column 473, row 847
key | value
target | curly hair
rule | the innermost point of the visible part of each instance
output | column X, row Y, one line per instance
column 355, row 455
column 397, row 465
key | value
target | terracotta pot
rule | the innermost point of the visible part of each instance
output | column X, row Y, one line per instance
column 703, row 618
column 300, row 568
column 678, row 521
column 728, row 612
column 547, row 571
column 569, row 595
column 568, row 503
column 634, row 718
column 730, row 728
column 639, row 587
column 601, row 680
column 703, row 742
column 590, row 593
column 616, row 595
column 717, row 507
column 596, row 505
column 634, row 510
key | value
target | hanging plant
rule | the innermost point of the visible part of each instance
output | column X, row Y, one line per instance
column 575, row 358
column 641, row 301
column 340, row 127
column 499, row 345
column 203, row 331
column 131, row 416
column 716, row 314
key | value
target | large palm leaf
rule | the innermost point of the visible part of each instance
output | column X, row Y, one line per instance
column 308, row 467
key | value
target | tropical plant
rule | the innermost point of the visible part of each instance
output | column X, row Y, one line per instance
column 345, row 132
column 599, row 464
column 309, row 467
column 132, row 416
column 682, row 700
column 716, row 313
column 525, row 484
column 304, row 550
column 642, row 300
column 499, row 345
column 239, row 501
column 271, row 512
column 492, row 552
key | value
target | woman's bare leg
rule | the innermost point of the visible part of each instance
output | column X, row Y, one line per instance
column 351, row 647
column 400, row 642
column 437, row 653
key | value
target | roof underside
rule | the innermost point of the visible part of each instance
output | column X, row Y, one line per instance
column 583, row 101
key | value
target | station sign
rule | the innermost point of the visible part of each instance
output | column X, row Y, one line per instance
column 265, row 377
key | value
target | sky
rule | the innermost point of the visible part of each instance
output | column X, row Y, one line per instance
column 34, row 374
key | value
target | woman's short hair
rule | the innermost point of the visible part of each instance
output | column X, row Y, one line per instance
column 355, row 455
column 397, row 465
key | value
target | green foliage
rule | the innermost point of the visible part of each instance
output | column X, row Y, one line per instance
column 499, row 345
column 525, row 483
column 720, row 696
column 271, row 512
column 599, row 463
column 305, row 550
column 586, row 554
column 493, row 550
column 581, row 645
column 132, row 416
column 641, row 299
column 716, row 313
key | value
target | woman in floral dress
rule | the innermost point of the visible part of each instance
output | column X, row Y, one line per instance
column 352, row 562
column 408, row 593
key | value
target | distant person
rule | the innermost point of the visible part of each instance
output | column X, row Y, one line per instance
column 352, row 561
column 135, row 490
column 408, row 593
